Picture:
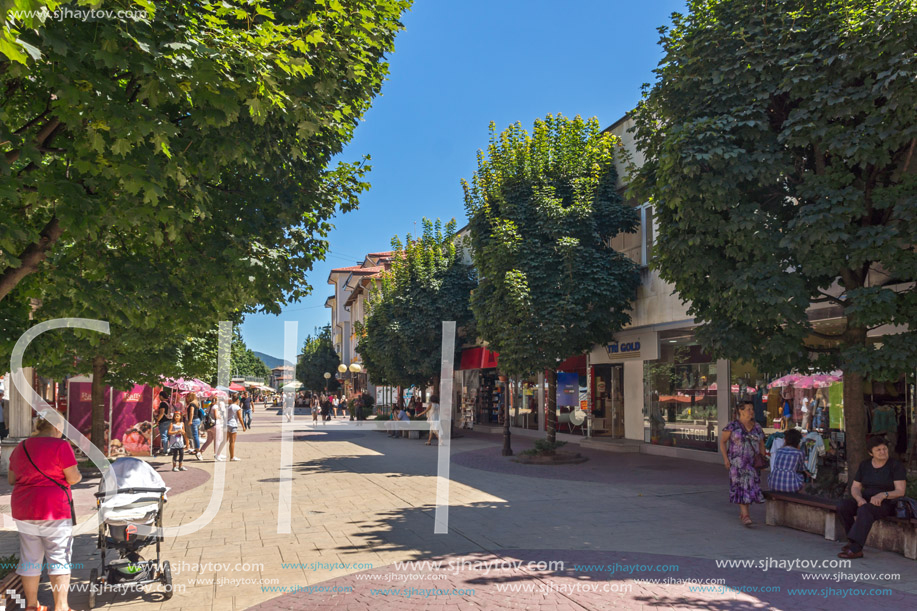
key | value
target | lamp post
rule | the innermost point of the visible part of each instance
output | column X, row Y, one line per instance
column 327, row 377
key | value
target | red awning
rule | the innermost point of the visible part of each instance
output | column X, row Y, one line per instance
column 478, row 358
column 236, row 387
column 574, row 364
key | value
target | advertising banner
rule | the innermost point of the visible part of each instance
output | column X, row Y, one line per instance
column 131, row 422
column 836, row 411
column 79, row 410
column 567, row 389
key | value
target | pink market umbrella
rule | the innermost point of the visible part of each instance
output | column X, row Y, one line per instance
column 180, row 384
column 787, row 380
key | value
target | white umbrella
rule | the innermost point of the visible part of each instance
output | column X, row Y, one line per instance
column 292, row 385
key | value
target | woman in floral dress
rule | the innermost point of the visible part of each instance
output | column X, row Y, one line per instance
column 740, row 441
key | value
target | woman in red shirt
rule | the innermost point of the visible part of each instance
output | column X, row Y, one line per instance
column 42, row 469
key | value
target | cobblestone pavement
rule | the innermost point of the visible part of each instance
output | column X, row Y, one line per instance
column 362, row 502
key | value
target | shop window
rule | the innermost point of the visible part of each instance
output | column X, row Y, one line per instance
column 680, row 403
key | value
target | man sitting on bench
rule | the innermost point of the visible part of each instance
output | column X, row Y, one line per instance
column 877, row 482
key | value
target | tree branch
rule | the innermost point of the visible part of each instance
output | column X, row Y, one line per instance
column 46, row 131
column 827, row 336
column 31, row 257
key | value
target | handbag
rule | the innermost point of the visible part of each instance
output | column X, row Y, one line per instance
column 63, row 487
column 760, row 461
column 906, row 508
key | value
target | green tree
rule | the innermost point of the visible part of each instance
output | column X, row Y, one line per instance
column 780, row 141
column 125, row 194
column 542, row 210
column 401, row 340
column 197, row 357
column 316, row 359
column 204, row 121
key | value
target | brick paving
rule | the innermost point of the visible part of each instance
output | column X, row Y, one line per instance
column 362, row 502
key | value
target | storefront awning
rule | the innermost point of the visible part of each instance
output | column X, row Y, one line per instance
column 574, row 364
column 478, row 358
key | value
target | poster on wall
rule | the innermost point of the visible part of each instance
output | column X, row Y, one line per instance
column 131, row 422
column 567, row 389
column 836, row 400
column 79, row 411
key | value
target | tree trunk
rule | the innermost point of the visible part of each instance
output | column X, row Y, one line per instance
column 99, row 371
column 854, row 410
column 507, row 448
column 854, row 422
column 551, row 407
column 436, row 383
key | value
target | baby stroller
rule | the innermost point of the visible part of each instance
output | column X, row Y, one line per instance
column 135, row 501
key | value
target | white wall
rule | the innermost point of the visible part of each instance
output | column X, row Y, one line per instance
column 633, row 400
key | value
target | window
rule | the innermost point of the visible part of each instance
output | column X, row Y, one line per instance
column 647, row 234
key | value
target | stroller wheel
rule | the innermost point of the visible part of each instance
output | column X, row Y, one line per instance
column 166, row 579
column 93, row 579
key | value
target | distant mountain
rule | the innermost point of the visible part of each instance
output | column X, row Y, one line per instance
column 270, row 361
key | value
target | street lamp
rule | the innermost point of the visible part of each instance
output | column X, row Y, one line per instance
column 327, row 377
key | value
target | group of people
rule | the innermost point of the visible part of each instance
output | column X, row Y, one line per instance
column 182, row 420
column 416, row 409
column 328, row 406
column 877, row 482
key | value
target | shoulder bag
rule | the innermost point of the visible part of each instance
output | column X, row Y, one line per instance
column 63, row 487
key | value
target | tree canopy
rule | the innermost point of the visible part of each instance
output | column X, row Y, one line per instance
column 780, row 141
column 316, row 359
column 401, row 338
column 204, row 123
column 542, row 209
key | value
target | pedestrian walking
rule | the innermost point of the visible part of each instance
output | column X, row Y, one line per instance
column 432, row 414
column 313, row 407
column 215, row 435
column 246, row 405
column 42, row 470
column 740, row 442
column 234, row 422
column 178, row 441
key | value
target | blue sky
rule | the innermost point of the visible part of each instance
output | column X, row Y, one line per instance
column 458, row 65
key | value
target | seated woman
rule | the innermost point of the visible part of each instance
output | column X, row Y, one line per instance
column 878, row 481
column 788, row 465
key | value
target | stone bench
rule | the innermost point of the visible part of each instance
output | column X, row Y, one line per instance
column 815, row 515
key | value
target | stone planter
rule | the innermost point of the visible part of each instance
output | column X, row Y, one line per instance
column 559, row 458
column 820, row 517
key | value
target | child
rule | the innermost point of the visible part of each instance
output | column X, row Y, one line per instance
column 178, row 439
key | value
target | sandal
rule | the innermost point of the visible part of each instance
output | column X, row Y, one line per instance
column 746, row 520
column 426, row 444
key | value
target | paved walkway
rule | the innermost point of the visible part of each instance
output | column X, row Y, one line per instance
column 363, row 502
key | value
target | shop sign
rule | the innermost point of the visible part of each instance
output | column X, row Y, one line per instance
column 624, row 349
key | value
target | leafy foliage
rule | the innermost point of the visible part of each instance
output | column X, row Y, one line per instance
column 207, row 123
column 316, row 359
column 197, row 357
column 779, row 141
column 170, row 172
column 401, row 340
column 542, row 209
